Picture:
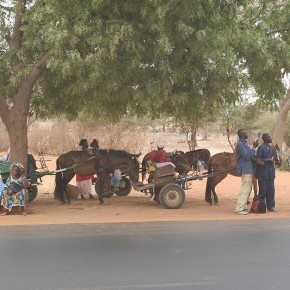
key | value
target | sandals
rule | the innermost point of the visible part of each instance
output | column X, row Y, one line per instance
column 3, row 213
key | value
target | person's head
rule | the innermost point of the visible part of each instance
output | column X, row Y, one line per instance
column 243, row 134
column 160, row 145
column 94, row 143
column 84, row 143
column 17, row 169
column 267, row 138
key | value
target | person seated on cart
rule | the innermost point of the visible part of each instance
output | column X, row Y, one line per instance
column 159, row 158
column 159, row 155
column 14, row 192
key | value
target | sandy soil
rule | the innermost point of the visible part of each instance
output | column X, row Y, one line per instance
column 138, row 207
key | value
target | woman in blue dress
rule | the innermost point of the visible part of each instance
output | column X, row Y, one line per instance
column 14, row 190
column 1, row 188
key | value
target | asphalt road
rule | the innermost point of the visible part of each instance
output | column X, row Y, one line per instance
column 225, row 255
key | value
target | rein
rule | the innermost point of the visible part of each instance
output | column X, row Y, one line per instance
column 73, row 167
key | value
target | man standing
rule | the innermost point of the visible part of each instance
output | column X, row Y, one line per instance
column 266, row 172
column 244, row 156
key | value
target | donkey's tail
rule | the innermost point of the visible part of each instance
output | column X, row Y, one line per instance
column 144, row 168
column 58, row 191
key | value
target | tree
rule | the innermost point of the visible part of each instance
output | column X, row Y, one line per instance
column 108, row 58
column 284, row 107
column 208, row 69
column 270, row 30
column 59, row 57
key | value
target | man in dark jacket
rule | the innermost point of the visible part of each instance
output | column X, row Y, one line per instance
column 265, row 172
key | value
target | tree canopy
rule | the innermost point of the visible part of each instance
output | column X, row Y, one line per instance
column 107, row 58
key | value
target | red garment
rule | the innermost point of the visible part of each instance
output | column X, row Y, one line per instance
column 158, row 156
column 82, row 178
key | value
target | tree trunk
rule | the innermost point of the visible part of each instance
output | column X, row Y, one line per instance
column 193, row 141
column 15, row 120
column 17, row 131
column 284, row 105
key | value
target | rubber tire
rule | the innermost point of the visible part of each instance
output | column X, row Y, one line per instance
column 171, row 196
column 32, row 193
column 127, row 189
column 107, row 187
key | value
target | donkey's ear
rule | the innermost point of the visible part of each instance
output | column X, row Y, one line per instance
column 138, row 155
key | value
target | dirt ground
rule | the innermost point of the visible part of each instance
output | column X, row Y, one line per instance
column 138, row 207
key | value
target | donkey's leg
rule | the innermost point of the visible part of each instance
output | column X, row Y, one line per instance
column 215, row 197
column 208, row 191
column 102, row 177
column 67, row 177
column 218, row 178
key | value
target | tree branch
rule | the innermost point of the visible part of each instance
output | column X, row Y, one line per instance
column 27, row 85
column 14, row 41
column 278, row 31
column 38, row 69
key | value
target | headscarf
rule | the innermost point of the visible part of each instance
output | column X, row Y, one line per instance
column 95, row 143
column 17, row 164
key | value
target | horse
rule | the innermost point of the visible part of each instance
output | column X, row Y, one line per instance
column 188, row 161
column 226, row 161
column 85, row 163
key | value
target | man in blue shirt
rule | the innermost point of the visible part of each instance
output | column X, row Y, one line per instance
column 266, row 172
column 244, row 156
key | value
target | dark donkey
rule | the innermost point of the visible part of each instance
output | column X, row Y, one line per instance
column 102, row 164
column 226, row 161
column 188, row 161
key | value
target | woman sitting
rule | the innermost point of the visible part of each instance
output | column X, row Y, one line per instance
column 14, row 190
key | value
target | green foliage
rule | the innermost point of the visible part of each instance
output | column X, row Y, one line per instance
column 181, row 58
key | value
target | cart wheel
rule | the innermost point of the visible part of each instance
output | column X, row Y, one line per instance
column 124, row 191
column 107, row 187
column 171, row 196
column 32, row 193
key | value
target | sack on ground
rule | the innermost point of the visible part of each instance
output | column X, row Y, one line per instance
column 258, row 204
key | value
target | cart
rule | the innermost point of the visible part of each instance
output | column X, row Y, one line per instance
column 167, row 187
